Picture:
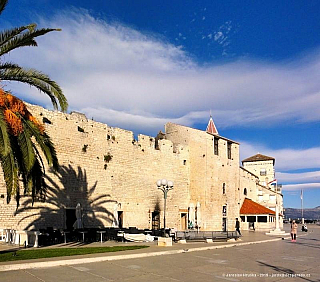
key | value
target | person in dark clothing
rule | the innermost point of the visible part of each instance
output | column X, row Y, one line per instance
column 238, row 226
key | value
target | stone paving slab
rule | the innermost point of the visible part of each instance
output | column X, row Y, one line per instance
column 277, row 257
column 153, row 250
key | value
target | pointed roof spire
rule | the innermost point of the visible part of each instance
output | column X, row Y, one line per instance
column 211, row 128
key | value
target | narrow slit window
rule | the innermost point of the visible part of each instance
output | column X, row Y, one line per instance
column 216, row 146
column 229, row 150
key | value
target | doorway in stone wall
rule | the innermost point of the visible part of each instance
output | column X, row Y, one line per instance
column 120, row 219
column 224, row 224
column 184, row 221
column 70, row 218
column 155, row 220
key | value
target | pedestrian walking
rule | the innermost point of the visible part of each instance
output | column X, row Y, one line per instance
column 238, row 226
column 294, row 229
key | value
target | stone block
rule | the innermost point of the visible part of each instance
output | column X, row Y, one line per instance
column 165, row 242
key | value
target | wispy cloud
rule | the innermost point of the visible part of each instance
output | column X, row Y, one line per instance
column 222, row 35
column 113, row 72
column 289, row 159
column 286, row 159
column 291, row 187
column 305, row 177
column 139, row 121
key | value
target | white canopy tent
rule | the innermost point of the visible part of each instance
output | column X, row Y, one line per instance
column 78, row 223
column 192, row 216
column 198, row 215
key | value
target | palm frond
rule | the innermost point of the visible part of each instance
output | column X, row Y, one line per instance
column 26, row 147
column 8, row 65
column 26, row 38
column 10, row 172
column 37, row 79
column 46, row 145
column 38, row 183
column 3, row 4
column 7, row 35
column 4, row 137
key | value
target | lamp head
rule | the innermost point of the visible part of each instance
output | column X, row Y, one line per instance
column 170, row 184
column 159, row 183
column 164, row 182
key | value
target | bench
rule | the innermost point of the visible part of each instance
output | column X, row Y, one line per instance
column 204, row 235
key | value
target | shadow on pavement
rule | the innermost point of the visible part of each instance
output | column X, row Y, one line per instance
column 283, row 270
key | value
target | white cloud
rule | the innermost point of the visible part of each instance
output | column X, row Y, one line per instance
column 304, row 186
column 289, row 159
column 286, row 159
column 111, row 71
column 139, row 122
column 222, row 36
column 305, row 177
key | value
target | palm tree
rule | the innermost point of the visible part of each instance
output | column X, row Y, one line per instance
column 21, row 37
column 23, row 140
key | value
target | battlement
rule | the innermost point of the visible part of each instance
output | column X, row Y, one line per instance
column 89, row 129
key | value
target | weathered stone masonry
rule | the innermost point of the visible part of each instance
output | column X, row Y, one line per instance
column 128, row 178
column 105, row 170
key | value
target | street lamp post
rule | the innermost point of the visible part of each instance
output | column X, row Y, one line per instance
column 165, row 186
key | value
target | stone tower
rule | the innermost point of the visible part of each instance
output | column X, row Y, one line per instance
column 263, row 167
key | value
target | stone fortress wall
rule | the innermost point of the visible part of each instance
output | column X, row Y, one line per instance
column 105, row 170
column 214, row 179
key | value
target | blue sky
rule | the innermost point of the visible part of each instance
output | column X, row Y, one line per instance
column 139, row 64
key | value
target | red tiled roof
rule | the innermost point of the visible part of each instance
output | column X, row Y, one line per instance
column 211, row 128
column 251, row 207
column 259, row 157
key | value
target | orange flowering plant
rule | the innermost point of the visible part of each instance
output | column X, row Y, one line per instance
column 21, row 136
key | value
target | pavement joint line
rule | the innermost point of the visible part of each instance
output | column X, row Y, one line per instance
column 47, row 264
column 34, row 276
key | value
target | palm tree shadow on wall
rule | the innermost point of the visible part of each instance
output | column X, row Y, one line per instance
column 61, row 197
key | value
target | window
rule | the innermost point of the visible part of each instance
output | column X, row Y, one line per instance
column 260, row 198
column 245, row 191
column 224, row 210
column 223, row 188
column 45, row 120
column 80, row 129
column 251, row 219
column 263, row 172
column 229, row 150
column 262, row 219
column 216, row 146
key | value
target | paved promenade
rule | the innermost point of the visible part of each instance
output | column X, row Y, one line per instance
column 256, row 258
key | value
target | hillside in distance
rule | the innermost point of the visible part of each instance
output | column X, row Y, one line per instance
column 313, row 213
